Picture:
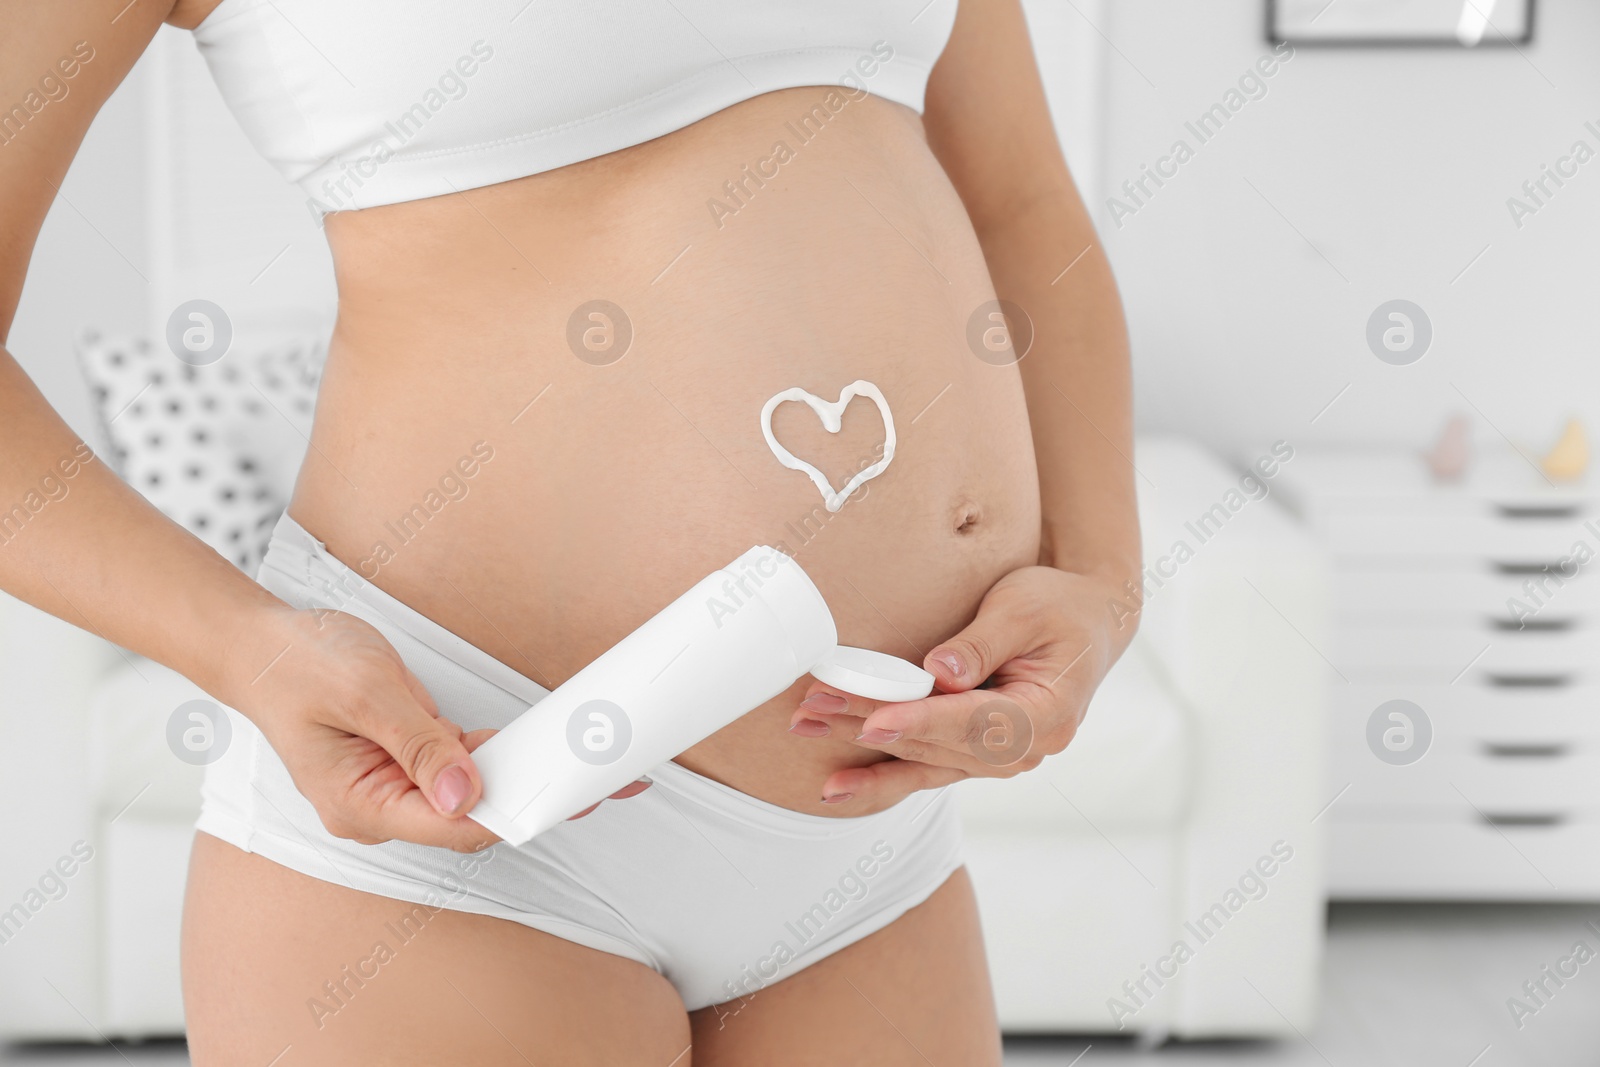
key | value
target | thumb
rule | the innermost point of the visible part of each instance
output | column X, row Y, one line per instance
column 473, row 738
column 966, row 660
column 428, row 748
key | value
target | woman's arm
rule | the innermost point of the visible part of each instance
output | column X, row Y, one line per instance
column 1045, row 635
column 989, row 125
column 101, row 556
column 361, row 737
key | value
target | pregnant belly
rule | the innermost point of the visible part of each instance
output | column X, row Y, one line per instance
column 540, row 420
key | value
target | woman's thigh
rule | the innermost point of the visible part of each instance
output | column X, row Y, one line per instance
column 914, row 993
column 278, row 964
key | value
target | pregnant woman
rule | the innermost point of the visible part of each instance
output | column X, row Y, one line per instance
column 578, row 246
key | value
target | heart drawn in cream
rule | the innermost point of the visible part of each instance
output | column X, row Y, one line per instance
column 832, row 415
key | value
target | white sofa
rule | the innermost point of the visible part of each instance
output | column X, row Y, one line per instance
column 1202, row 750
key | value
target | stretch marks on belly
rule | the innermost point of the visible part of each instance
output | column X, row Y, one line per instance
column 831, row 412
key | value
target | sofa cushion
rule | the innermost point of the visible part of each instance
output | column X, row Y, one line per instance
column 215, row 447
column 1127, row 769
column 134, row 763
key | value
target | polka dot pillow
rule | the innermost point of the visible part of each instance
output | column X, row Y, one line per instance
column 214, row 447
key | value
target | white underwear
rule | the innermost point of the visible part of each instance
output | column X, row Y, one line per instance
column 718, row 891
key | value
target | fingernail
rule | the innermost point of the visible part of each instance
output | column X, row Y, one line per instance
column 809, row 728
column 879, row 737
column 837, row 798
column 951, row 662
column 450, row 789
column 827, row 703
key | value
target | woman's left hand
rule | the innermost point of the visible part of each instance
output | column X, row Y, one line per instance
column 1041, row 642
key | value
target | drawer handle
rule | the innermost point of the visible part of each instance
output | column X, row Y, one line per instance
column 1539, row 511
column 1527, row 750
column 1529, row 681
column 1533, row 626
column 1512, row 568
column 1521, row 820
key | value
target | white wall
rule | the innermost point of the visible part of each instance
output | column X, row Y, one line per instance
column 1397, row 165
column 225, row 226
column 92, row 262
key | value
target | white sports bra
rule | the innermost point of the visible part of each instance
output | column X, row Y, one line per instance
column 365, row 103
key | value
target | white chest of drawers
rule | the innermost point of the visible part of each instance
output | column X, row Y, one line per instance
column 1479, row 604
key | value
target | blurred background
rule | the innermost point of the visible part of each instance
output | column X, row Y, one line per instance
column 1340, row 804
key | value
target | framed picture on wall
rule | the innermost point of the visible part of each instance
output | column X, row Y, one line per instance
column 1377, row 23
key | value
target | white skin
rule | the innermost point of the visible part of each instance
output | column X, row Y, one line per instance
column 992, row 552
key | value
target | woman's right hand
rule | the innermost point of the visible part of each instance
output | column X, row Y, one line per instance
column 361, row 737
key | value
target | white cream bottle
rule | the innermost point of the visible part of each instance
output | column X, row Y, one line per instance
column 736, row 639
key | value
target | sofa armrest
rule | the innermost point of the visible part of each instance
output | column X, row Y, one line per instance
column 1208, row 528
column 48, row 921
column 1235, row 613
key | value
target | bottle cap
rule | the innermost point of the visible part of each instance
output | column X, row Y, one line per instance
column 779, row 581
column 874, row 675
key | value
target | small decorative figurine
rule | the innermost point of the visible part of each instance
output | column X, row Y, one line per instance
column 1569, row 459
column 1448, row 458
